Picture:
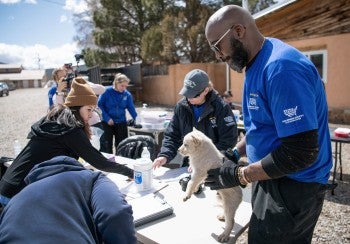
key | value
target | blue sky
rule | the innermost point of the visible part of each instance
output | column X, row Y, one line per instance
column 38, row 29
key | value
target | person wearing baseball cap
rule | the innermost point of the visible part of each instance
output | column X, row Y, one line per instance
column 202, row 108
column 194, row 83
column 64, row 131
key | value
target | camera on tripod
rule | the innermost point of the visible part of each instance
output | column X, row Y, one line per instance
column 78, row 57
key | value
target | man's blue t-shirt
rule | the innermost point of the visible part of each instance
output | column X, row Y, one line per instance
column 284, row 95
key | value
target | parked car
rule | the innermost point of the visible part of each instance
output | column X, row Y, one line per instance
column 4, row 89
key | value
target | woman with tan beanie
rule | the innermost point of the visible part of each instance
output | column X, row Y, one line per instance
column 63, row 131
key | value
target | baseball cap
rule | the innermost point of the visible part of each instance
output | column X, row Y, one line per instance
column 194, row 82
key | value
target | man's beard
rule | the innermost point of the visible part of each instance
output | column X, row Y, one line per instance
column 239, row 56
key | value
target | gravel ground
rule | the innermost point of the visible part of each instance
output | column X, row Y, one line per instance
column 23, row 107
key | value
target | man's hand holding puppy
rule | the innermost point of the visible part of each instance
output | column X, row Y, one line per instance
column 229, row 175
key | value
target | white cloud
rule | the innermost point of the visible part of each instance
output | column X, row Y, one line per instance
column 28, row 56
column 63, row 18
column 30, row 1
column 9, row 1
column 76, row 6
column 18, row 1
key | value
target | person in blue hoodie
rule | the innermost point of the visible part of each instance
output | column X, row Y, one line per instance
column 113, row 104
column 68, row 204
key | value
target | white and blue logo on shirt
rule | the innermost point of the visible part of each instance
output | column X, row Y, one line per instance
column 253, row 105
column 291, row 114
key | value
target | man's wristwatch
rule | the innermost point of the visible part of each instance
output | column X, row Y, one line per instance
column 233, row 154
column 236, row 153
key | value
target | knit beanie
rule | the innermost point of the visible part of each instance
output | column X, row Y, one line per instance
column 80, row 94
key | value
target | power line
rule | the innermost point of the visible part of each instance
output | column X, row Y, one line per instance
column 54, row 2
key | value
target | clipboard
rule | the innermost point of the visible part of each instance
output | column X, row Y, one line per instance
column 149, row 208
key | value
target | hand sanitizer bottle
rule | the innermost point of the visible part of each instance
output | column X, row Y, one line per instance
column 143, row 171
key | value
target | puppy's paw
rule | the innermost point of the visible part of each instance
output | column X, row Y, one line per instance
column 221, row 217
column 224, row 237
column 186, row 198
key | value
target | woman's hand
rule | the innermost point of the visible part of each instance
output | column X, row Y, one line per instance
column 61, row 85
column 110, row 122
column 160, row 161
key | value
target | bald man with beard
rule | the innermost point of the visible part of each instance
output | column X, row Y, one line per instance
column 287, row 139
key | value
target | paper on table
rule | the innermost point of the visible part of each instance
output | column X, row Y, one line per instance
column 149, row 208
column 170, row 175
column 129, row 188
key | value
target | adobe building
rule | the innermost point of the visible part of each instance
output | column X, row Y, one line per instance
column 17, row 77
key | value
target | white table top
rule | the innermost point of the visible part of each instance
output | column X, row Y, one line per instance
column 193, row 221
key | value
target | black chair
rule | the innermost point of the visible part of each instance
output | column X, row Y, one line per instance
column 132, row 146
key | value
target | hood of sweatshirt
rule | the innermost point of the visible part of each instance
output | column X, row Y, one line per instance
column 53, row 166
column 49, row 129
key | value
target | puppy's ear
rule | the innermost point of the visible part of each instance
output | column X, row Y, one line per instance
column 196, row 140
column 194, row 129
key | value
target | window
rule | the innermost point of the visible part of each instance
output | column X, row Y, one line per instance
column 319, row 58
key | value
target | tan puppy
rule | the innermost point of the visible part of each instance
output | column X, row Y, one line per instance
column 203, row 155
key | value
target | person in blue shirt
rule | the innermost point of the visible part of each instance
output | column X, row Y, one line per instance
column 287, row 139
column 201, row 107
column 68, row 204
column 113, row 104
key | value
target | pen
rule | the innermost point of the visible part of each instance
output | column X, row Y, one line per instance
column 160, row 189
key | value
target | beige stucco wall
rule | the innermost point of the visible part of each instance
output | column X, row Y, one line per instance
column 164, row 89
column 338, row 67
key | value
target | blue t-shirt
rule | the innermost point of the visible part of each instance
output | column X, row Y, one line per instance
column 198, row 110
column 284, row 95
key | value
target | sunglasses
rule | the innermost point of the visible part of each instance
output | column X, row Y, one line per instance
column 198, row 94
column 214, row 47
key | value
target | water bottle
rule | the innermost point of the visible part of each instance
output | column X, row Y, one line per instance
column 143, row 112
column 16, row 148
column 143, row 171
column 145, row 153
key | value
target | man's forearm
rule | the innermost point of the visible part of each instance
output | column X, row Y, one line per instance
column 254, row 172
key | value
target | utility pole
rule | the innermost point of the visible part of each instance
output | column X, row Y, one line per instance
column 38, row 61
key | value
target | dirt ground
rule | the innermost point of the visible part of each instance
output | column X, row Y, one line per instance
column 23, row 107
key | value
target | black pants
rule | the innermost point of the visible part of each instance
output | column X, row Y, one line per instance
column 284, row 211
column 119, row 131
